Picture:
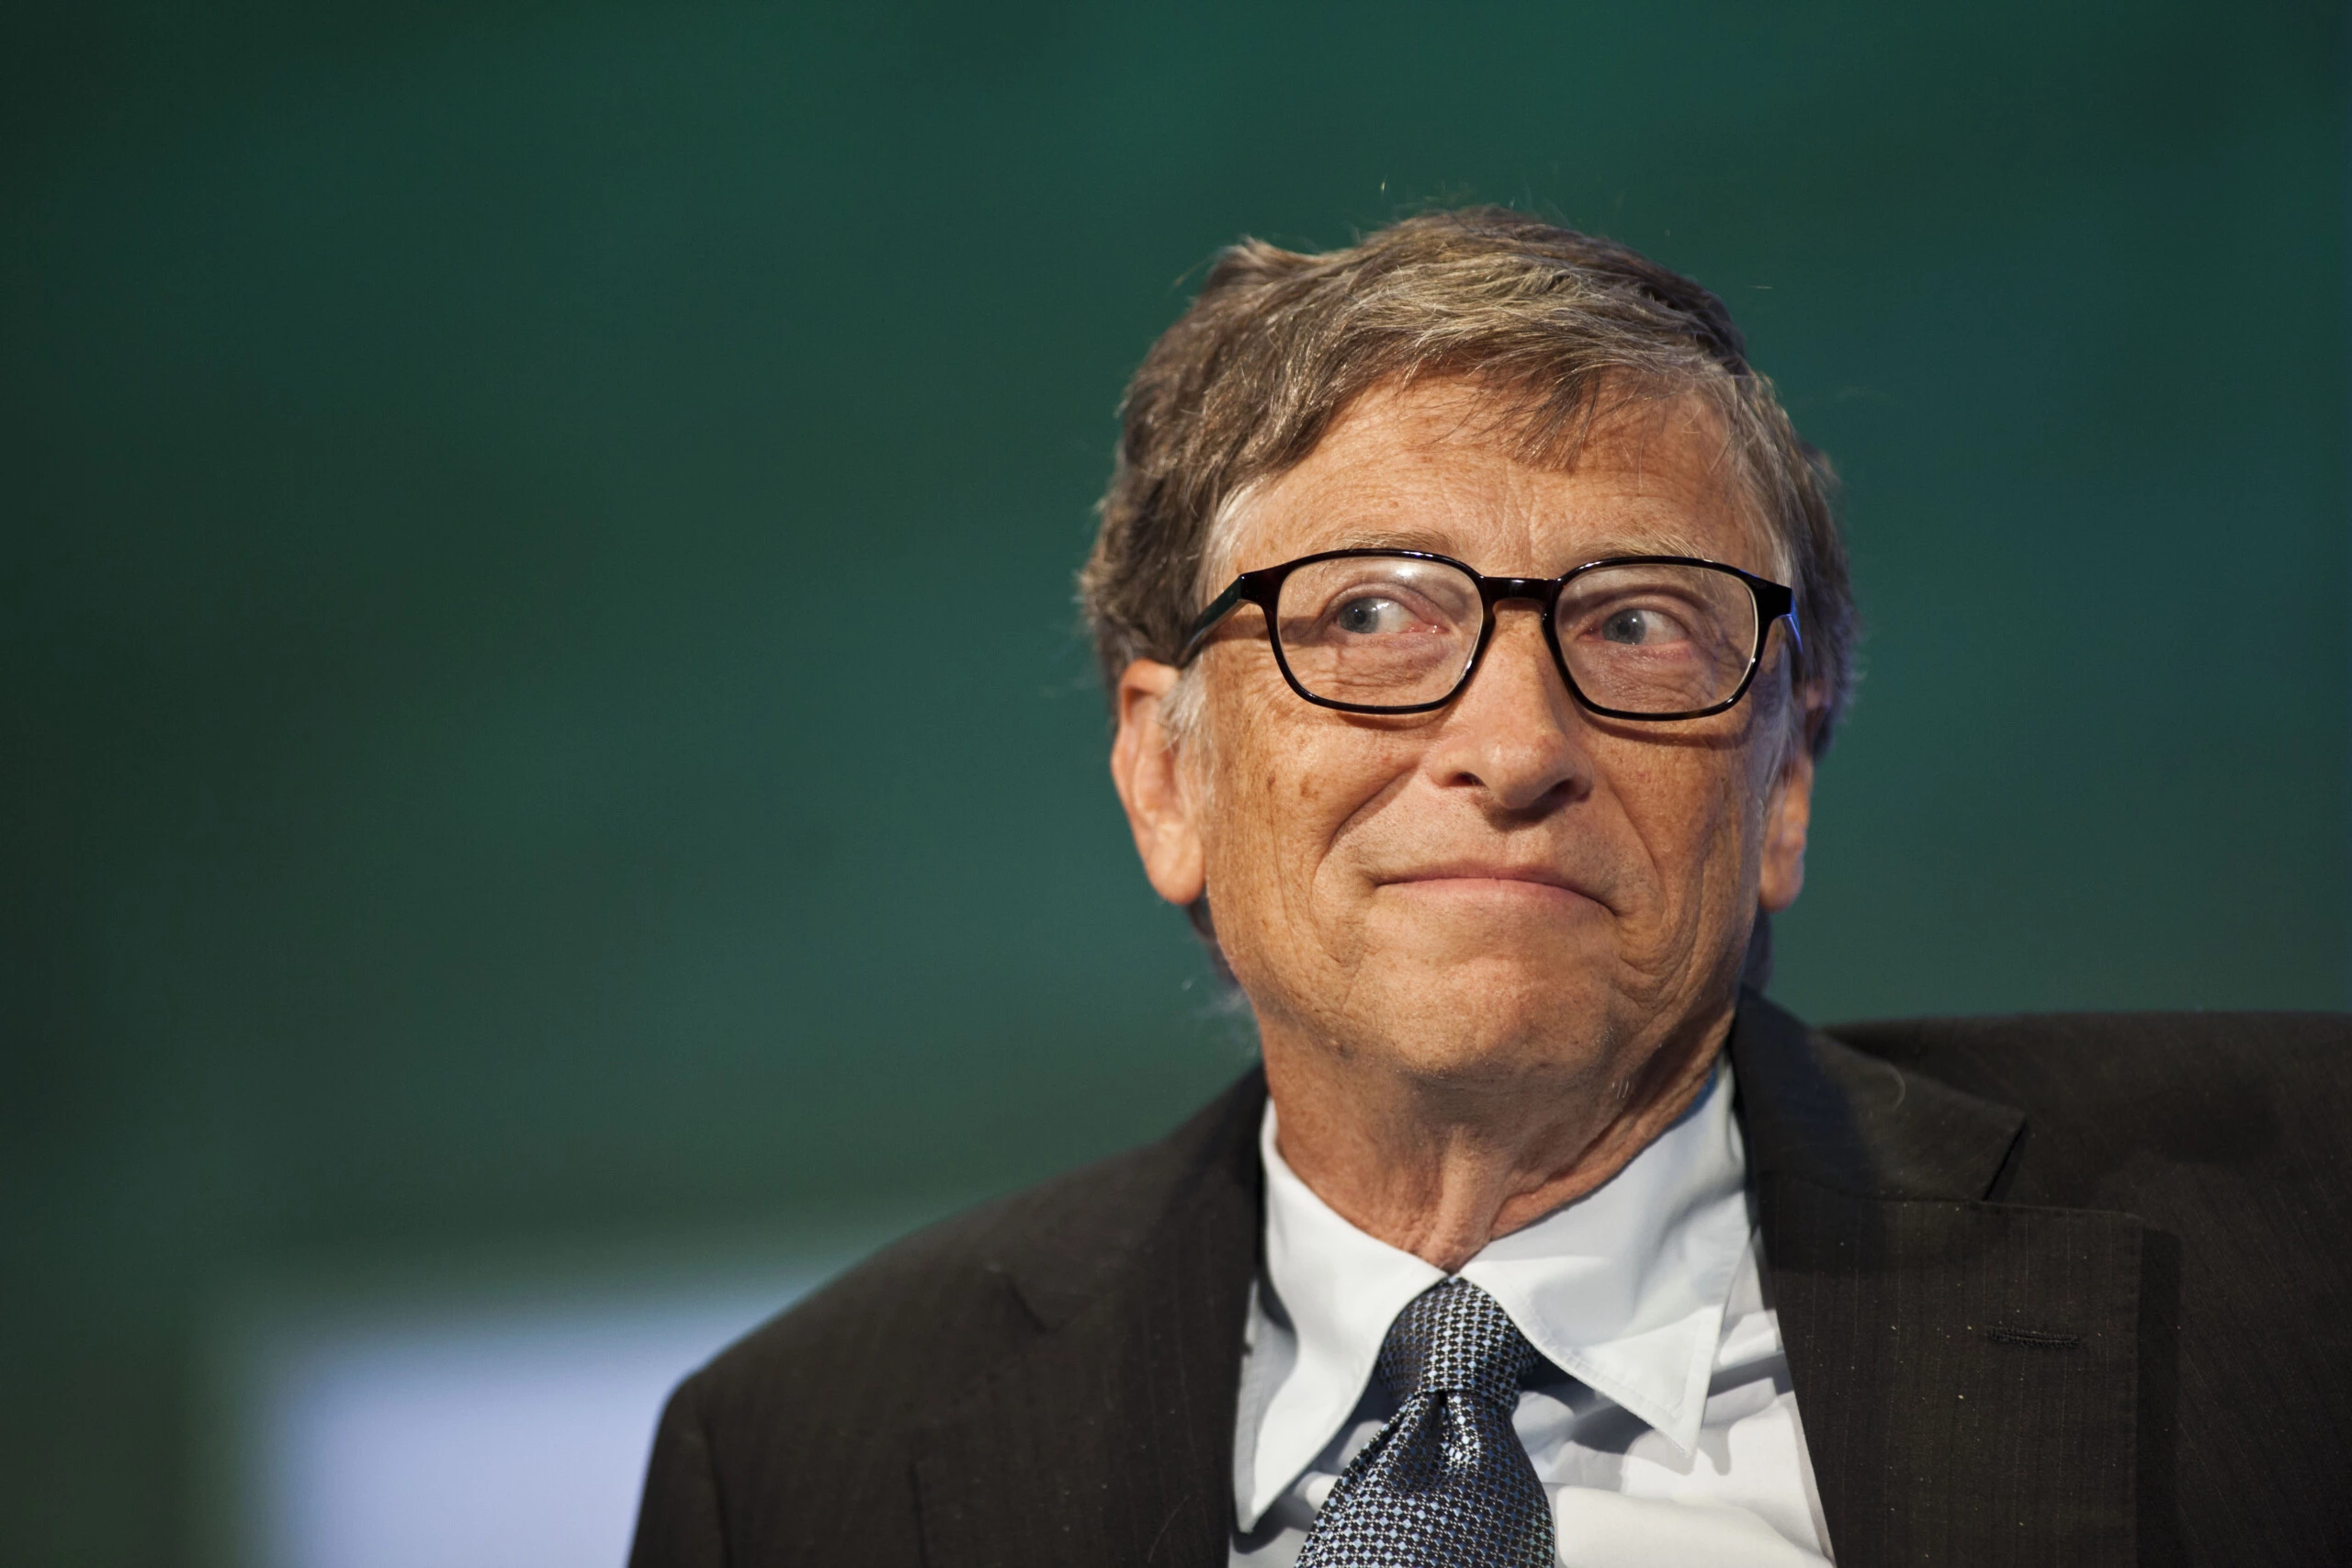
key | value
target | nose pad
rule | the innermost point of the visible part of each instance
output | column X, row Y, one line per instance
column 1517, row 744
column 1533, row 604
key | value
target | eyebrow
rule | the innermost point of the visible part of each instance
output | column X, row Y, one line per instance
column 1666, row 542
column 1420, row 539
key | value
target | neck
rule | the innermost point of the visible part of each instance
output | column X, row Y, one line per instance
column 1439, row 1165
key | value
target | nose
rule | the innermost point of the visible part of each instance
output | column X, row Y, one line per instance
column 1514, row 734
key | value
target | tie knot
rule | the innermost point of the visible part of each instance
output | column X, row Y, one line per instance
column 1454, row 1336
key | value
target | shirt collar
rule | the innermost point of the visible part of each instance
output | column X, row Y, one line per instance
column 1622, row 1288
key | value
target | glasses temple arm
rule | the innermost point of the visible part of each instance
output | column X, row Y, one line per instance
column 1219, row 607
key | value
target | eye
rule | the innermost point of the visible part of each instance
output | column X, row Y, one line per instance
column 1641, row 627
column 1370, row 615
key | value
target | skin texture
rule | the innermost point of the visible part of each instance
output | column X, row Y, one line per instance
column 1492, row 951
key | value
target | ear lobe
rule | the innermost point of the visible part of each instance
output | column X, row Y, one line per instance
column 1144, row 768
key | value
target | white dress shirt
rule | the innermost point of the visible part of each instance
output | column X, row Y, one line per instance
column 1664, row 1429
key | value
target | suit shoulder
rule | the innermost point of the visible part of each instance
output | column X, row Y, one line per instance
column 2113, row 1101
column 931, row 1312
column 2053, row 1058
column 797, row 1442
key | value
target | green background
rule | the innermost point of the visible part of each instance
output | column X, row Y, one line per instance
column 541, row 707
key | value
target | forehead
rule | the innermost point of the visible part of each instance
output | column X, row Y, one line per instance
column 1442, row 465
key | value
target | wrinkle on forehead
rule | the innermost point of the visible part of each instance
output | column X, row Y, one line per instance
column 1622, row 431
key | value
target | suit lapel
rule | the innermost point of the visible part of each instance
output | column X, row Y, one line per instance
column 1108, row 1439
column 1965, row 1372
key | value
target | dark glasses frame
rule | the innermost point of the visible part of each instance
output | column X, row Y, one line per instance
column 1774, row 602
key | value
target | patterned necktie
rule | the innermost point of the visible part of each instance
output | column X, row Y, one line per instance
column 1446, row 1484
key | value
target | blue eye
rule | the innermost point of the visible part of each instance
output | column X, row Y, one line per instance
column 1638, row 627
column 1368, row 615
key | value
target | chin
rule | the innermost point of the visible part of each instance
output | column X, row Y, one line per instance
column 1514, row 943
column 1504, row 1012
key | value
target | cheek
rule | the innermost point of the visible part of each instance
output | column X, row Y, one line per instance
column 1285, row 798
column 1287, row 787
column 1695, row 812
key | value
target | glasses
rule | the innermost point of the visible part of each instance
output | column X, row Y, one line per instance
column 1402, row 631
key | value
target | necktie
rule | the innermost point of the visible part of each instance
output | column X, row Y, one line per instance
column 1445, row 1484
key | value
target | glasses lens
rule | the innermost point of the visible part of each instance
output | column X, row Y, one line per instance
column 1657, row 640
column 1378, row 631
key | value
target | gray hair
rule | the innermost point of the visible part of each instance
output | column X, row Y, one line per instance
column 1564, row 329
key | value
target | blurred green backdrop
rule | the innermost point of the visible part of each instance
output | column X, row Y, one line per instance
column 540, row 698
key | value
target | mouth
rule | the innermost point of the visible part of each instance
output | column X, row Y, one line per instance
column 1486, row 879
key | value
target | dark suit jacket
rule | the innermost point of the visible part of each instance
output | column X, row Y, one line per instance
column 2062, row 1290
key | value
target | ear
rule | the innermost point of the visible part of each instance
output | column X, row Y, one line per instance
column 1161, row 810
column 1788, row 818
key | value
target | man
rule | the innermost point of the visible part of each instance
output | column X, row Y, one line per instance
column 1474, row 620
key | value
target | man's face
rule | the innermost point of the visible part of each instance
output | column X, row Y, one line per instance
column 1511, row 882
